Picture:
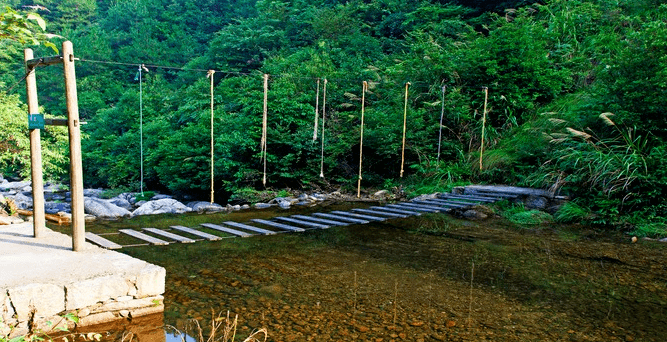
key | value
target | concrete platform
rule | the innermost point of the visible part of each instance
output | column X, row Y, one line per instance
column 42, row 279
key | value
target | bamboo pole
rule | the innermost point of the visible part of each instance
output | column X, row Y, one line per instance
column 265, row 123
column 76, row 169
column 39, row 220
column 442, row 115
column 210, row 74
column 405, row 120
column 364, row 88
column 481, row 148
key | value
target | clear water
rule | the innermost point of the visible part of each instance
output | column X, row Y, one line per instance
column 430, row 278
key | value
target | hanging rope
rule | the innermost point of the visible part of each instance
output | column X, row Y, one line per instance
column 481, row 148
column 405, row 120
column 442, row 114
column 364, row 88
column 264, row 123
column 324, row 114
column 141, row 127
column 210, row 75
column 317, row 109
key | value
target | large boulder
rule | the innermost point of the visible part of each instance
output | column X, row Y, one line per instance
column 22, row 201
column 17, row 186
column 103, row 208
column 121, row 201
column 97, row 193
column 56, row 207
column 206, row 207
column 162, row 206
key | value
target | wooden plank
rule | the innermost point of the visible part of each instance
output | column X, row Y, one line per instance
column 422, row 209
column 381, row 213
column 169, row 235
column 469, row 197
column 419, row 205
column 249, row 227
column 225, row 229
column 442, row 204
column 321, row 220
column 195, row 232
column 341, row 218
column 399, row 211
column 278, row 225
column 143, row 237
column 102, row 242
column 365, row 217
column 303, row 223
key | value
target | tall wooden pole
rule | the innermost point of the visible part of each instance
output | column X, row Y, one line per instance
column 364, row 88
column 481, row 147
column 210, row 75
column 76, row 169
column 38, row 218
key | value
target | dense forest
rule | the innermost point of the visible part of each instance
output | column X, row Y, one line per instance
column 575, row 97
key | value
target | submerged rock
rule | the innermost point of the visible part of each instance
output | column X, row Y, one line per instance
column 162, row 206
column 103, row 208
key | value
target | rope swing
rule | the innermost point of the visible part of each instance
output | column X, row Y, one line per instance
column 405, row 120
column 364, row 88
column 317, row 109
column 210, row 75
column 481, row 148
column 141, row 126
column 324, row 114
column 442, row 114
column 264, row 123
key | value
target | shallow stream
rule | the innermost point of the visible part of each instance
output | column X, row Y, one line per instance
column 429, row 278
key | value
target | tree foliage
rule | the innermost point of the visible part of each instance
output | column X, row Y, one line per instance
column 571, row 59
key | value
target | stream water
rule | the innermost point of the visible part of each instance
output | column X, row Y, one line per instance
column 429, row 278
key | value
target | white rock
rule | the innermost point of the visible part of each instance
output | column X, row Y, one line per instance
column 206, row 207
column 162, row 206
column 104, row 208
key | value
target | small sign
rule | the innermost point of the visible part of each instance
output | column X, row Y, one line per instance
column 35, row 121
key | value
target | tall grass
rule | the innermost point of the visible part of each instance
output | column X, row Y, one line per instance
column 581, row 158
column 222, row 329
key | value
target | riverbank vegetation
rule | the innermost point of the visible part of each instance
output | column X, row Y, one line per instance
column 574, row 97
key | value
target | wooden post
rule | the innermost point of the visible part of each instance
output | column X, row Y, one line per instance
column 76, row 169
column 38, row 218
column 481, row 147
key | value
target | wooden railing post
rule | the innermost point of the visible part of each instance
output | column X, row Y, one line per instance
column 76, row 169
column 38, row 217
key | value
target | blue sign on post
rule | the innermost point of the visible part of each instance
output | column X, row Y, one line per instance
column 35, row 121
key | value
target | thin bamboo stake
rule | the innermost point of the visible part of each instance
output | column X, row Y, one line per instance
column 481, row 148
column 264, row 123
column 364, row 88
column 317, row 110
column 405, row 120
column 324, row 112
column 141, row 129
column 442, row 114
column 210, row 75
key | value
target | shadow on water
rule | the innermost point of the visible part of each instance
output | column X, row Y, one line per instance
column 432, row 277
